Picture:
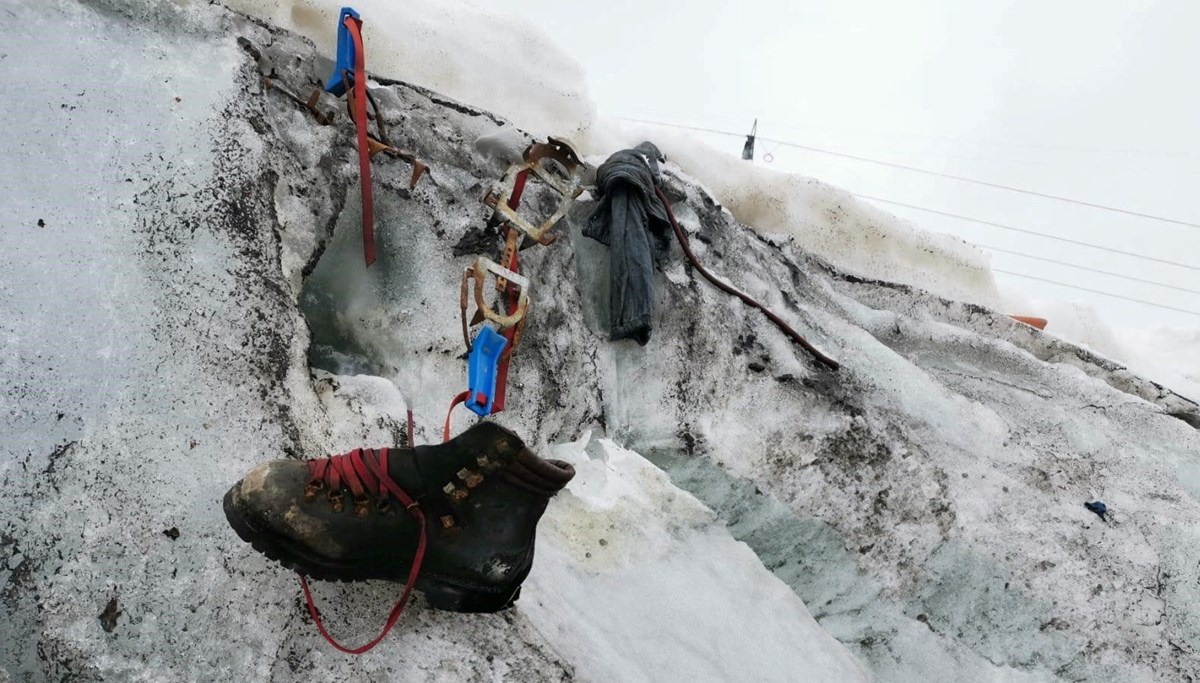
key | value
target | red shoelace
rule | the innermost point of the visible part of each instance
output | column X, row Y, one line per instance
column 365, row 473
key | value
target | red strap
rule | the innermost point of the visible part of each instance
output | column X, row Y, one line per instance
column 502, row 367
column 518, row 189
column 411, row 444
column 375, row 469
column 513, row 297
column 461, row 398
column 745, row 298
column 364, row 151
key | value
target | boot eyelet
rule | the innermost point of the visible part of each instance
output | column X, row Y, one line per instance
column 383, row 507
column 362, row 506
column 337, row 501
column 471, row 479
column 455, row 494
column 312, row 490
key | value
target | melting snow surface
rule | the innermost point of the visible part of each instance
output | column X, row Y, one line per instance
column 453, row 47
column 160, row 355
column 625, row 559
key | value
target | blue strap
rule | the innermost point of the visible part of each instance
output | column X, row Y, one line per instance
column 482, row 364
column 345, row 54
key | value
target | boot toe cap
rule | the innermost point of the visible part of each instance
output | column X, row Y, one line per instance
column 268, row 506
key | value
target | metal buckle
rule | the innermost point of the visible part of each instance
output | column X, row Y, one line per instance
column 501, row 200
column 477, row 274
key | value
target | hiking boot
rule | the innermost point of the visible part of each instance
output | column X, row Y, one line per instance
column 353, row 517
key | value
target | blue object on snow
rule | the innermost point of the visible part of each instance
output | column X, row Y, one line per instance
column 482, row 365
column 1099, row 508
column 345, row 54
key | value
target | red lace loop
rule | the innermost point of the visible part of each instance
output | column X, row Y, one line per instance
column 366, row 471
column 459, row 399
column 353, row 470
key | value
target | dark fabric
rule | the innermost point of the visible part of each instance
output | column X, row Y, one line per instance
column 631, row 221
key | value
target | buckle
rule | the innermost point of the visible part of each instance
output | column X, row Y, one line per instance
column 477, row 274
column 505, row 199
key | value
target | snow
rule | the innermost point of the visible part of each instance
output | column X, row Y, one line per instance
column 916, row 516
column 155, row 353
column 453, row 47
column 626, row 558
column 872, row 522
column 456, row 48
column 1165, row 354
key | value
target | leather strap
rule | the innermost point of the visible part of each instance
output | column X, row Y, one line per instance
column 364, row 148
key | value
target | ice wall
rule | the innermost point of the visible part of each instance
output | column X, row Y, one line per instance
column 154, row 352
column 461, row 49
column 952, row 447
column 157, row 353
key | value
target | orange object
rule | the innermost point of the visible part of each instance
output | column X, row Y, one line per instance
column 1039, row 323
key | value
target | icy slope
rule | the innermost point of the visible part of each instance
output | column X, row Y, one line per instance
column 634, row 582
column 924, row 502
column 472, row 51
column 154, row 352
column 928, row 498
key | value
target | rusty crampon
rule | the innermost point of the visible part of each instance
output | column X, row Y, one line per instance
column 382, row 144
column 324, row 118
column 476, row 274
column 504, row 199
column 375, row 145
column 555, row 164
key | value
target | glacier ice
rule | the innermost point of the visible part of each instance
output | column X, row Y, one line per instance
column 921, row 511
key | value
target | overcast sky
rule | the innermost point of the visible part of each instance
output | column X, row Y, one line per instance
column 1096, row 101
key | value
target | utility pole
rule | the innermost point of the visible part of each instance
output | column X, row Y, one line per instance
column 748, row 148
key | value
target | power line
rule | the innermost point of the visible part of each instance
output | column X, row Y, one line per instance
column 937, row 174
column 676, row 125
column 1094, row 270
column 1002, row 226
column 1027, row 232
column 957, row 140
column 958, row 216
column 1007, row 145
column 1096, row 291
column 984, row 183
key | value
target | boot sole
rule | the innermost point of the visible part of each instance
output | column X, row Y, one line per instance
column 439, row 593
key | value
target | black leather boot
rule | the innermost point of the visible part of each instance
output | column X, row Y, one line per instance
column 480, row 494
